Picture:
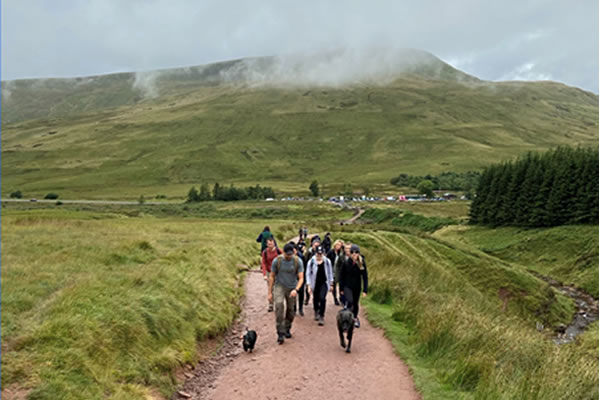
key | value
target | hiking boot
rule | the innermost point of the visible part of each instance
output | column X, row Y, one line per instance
column 280, row 339
column 316, row 315
column 337, row 303
column 357, row 323
column 301, row 312
column 321, row 321
column 270, row 309
column 288, row 334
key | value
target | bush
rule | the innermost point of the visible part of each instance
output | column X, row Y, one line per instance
column 51, row 196
column 16, row 195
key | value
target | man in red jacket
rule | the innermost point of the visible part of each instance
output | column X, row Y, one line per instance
column 268, row 255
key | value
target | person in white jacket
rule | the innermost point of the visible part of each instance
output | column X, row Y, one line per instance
column 319, row 276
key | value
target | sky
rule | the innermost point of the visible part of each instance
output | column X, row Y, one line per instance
column 492, row 40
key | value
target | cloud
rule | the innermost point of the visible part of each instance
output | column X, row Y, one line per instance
column 526, row 72
column 146, row 82
column 489, row 39
column 7, row 89
column 333, row 68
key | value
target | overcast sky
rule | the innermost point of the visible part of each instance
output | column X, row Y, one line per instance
column 493, row 40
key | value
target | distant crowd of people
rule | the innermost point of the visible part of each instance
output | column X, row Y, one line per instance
column 301, row 271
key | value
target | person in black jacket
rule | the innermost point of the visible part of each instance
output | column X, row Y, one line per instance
column 327, row 242
column 299, row 251
column 353, row 270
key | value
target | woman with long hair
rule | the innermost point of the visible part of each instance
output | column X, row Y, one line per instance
column 354, row 270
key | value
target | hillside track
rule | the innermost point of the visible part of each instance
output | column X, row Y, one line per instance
column 311, row 364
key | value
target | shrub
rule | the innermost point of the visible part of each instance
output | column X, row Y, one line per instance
column 51, row 196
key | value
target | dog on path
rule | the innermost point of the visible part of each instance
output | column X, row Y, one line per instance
column 249, row 340
column 345, row 324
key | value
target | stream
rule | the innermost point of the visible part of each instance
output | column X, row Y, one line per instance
column 587, row 311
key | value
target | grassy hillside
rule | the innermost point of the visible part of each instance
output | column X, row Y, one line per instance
column 465, row 322
column 567, row 253
column 112, row 139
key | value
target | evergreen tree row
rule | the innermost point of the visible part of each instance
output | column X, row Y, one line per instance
column 230, row 193
column 555, row 188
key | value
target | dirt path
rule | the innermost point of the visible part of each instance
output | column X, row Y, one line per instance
column 359, row 213
column 311, row 364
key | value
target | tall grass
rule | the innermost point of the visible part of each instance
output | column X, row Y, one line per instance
column 440, row 306
column 566, row 253
column 99, row 306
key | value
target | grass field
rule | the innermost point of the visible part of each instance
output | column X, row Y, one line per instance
column 108, row 302
column 102, row 306
column 195, row 133
column 566, row 253
column 465, row 322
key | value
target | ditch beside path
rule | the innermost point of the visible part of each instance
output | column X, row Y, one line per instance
column 311, row 364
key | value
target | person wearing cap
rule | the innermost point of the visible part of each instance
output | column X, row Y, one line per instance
column 267, row 257
column 286, row 278
column 354, row 269
column 319, row 276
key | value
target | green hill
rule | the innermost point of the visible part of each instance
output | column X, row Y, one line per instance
column 280, row 123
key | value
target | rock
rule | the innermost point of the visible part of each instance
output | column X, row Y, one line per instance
column 188, row 375
column 560, row 329
column 184, row 394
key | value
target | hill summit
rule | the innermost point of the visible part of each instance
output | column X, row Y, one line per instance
column 55, row 97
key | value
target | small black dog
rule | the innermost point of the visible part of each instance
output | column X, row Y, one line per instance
column 345, row 323
column 249, row 340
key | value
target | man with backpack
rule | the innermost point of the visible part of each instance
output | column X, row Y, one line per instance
column 267, row 257
column 286, row 278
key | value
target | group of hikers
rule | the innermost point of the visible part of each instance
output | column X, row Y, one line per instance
column 302, row 270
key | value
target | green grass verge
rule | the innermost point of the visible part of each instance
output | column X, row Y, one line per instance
column 99, row 305
column 467, row 320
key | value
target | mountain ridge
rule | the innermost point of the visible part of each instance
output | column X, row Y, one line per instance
column 191, row 132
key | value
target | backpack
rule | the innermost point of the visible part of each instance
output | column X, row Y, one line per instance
column 280, row 260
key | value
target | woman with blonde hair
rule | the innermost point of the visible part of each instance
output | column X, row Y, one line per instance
column 335, row 255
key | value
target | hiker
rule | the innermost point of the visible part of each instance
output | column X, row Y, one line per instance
column 319, row 276
column 267, row 257
column 334, row 255
column 315, row 241
column 286, row 278
column 345, row 254
column 327, row 242
column 298, row 251
column 305, row 232
column 262, row 238
column 353, row 270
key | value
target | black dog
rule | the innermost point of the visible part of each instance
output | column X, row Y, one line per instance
column 345, row 323
column 249, row 340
